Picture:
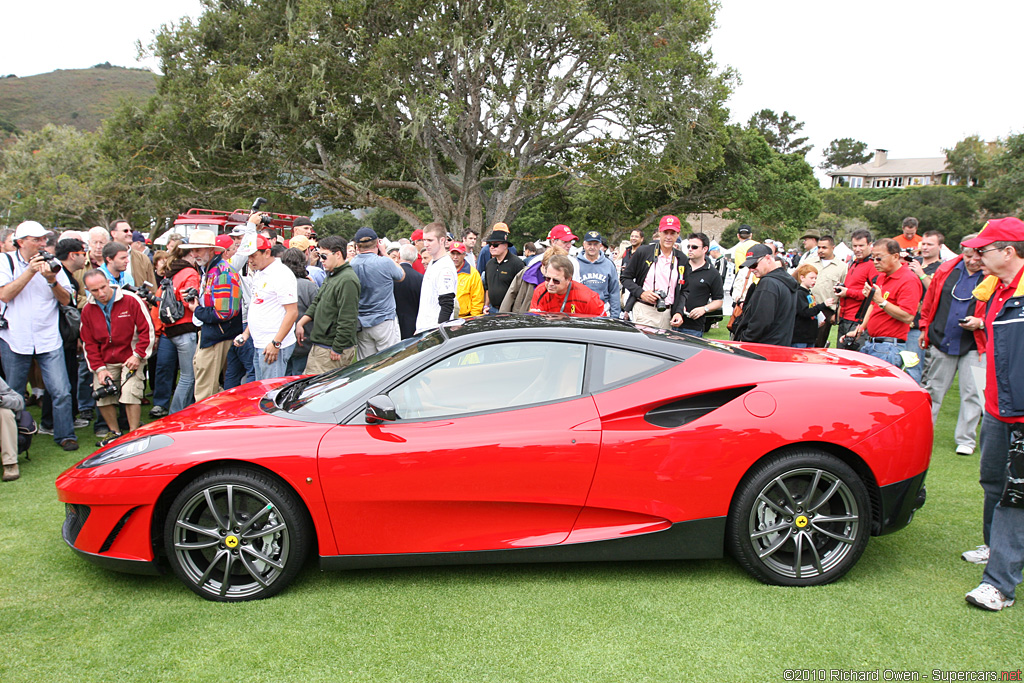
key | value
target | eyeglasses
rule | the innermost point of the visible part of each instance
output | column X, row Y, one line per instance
column 876, row 259
column 323, row 254
column 553, row 280
column 693, row 247
column 982, row 251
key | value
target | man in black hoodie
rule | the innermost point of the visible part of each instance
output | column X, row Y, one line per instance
column 771, row 308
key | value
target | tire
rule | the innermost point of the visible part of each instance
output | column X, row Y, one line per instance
column 236, row 534
column 799, row 519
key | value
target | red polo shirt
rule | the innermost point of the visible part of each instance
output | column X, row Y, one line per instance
column 995, row 304
column 859, row 273
column 902, row 288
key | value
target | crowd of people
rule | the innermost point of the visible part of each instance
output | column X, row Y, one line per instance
column 91, row 316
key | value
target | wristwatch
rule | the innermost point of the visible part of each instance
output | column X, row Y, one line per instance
column 276, row 344
column 53, row 285
column 883, row 304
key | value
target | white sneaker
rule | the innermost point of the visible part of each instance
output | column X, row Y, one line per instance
column 987, row 596
column 977, row 556
column 964, row 449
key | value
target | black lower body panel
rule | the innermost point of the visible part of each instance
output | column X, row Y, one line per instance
column 900, row 501
column 696, row 539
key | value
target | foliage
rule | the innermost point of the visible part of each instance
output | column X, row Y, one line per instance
column 951, row 210
column 470, row 109
column 845, row 152
column 1004, row 193
column 779, row 131
column 842, row 201
column 52, row 176
column 769, row 190
column 970, row 160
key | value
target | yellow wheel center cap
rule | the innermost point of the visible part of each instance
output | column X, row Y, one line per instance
column 801, row 521
column 232, row 541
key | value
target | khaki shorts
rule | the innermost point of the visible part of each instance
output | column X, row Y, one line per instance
column 131, row 392
column 319, row 360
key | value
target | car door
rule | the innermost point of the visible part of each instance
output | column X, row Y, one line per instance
column 495, row 448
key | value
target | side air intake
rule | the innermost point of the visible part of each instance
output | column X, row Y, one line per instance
column 688, row 409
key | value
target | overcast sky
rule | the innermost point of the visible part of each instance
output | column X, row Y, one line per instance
column 910, row 76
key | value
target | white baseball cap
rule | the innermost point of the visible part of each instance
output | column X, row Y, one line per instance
column 30, row 229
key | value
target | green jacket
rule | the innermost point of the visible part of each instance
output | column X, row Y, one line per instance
column 335, row 310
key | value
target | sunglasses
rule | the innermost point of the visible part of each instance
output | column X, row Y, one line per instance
column 553, row 280
column 693, row 247
column 982, row 251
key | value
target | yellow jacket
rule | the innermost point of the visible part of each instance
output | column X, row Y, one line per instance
column 470, row 293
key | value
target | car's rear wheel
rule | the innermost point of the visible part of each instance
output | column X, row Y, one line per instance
column 800, row 519
column 236, row 534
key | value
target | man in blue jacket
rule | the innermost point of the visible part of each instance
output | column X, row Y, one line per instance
column 599, row 274
column 1001, row 246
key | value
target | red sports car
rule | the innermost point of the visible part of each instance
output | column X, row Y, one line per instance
column 517, row 439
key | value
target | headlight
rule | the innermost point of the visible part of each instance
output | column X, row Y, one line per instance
column 128, row 450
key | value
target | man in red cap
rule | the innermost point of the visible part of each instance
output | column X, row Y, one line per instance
column 417, row 241
column 561, row 236
column 1000, row 311
column 654, row 276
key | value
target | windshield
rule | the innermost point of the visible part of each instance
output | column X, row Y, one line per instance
column 330, row 391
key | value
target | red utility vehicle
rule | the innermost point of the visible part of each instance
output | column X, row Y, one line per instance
column 221, row 222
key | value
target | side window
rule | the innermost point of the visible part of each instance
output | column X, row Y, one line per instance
column 493, row 377
column 615, row 366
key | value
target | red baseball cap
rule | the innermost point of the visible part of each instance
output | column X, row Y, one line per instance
column 224, row 241
column 262, row 243
column 458, row 246
column 1000, row 230
column 668, row 223
column 561, row 232
column 416, row 235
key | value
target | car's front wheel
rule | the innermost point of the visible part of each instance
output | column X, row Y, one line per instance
column 800, row 519
column 236, row 534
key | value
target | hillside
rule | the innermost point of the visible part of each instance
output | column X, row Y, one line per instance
column 75, row 97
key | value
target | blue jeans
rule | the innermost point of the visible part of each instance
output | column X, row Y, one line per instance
column 185, row 348
column 278, row 368
column 1003, row 527
column 691, row 333
column 55, row 379
column 297, row 365
column 887, row 351
column 239, row 368
column 913, row 345
column 166, row 370
column 85, row 399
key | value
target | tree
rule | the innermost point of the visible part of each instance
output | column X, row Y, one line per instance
column 953, row 211
column 845, row 152
column 1004, row 192
column 970, row 160
column 53, row 176
column 768, row 189
column 469, row 109
column 779, row 131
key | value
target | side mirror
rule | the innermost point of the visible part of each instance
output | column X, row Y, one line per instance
column 379, row 409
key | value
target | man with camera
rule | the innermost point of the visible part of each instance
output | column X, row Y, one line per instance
column 117, row 335
column 895, row 295
column 32, row 284
column 273, row 310
column 653, row 275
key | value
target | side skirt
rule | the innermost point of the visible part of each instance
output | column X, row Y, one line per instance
column 696, row 539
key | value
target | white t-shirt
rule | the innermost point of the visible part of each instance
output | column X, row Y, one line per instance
column 272, row 288
column 439, row 279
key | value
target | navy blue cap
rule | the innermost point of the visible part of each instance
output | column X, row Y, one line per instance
column 365, row 235
column 593, row 236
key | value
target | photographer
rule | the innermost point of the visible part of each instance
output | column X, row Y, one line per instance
column 32, row 285
column 117, row 334
column 177, row 347
column 653, row 269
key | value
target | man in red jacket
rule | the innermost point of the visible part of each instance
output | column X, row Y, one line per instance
column 561, row 294
column 117, row 336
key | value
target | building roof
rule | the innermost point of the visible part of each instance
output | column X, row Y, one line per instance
column 895, row 167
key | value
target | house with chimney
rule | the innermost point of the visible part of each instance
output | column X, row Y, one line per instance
column 885, row 172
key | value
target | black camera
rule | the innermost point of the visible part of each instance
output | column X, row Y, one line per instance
column 908, row 255
column 143, row 293
column 260, row 201
column 838, row 289
column 190, row 294
column 661, row 305
column 51, row 260
column 850, row 343
column 108, row 388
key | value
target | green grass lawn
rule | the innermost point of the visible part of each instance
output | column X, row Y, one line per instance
column 900, row 608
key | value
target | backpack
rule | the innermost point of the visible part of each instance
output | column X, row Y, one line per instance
column 171, row 308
